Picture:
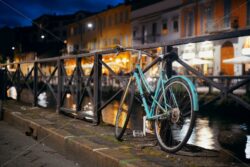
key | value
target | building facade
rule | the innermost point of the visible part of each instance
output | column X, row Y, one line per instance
column 165, row 22
column 101, row 31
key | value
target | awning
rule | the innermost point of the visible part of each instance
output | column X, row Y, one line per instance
column 197, row 61
column 238, row 60
column 207, row 54
column 194, row 61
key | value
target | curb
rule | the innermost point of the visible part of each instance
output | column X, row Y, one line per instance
column 64, row 144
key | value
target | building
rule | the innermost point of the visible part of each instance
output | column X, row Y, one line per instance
column 100, row 31
column 178, row 23
column 212, row 17
column 51, row 31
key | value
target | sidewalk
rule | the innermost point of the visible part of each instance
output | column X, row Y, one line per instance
column 93, row 146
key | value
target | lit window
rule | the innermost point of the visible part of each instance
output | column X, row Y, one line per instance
column 165, row 27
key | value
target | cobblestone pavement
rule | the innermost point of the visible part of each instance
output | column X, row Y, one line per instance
column 17, row 149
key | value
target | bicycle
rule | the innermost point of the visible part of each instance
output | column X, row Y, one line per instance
column 174, row 103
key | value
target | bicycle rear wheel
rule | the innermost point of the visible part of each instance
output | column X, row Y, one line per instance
column 174, row 127
column 124, row 110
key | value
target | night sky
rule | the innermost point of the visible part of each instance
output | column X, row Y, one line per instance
column 21, row 12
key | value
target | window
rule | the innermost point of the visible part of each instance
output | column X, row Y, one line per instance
column 126, row 16
column 72, row 31
column 134, row 33
column 189, row 23
column 248, row 13
column 143, row 35
column 208, row 15
column 121, row 17
column 154, row 29
column 116, row 18
column 176, row 24
column 164, row 25
column 83, row 28
column 104, row 22
column 110, row 20
column 126, row 40
column 75, row 31
column 227, row 8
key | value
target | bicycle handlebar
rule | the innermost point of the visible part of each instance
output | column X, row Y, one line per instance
column 119, row 49
column 170, row 55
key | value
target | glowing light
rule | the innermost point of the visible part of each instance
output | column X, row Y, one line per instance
column 118, row 61
column 13, row 48
column 90, row 25
column 68, row 95
column 206, row 50
column 65, row 41
column 74, row 106
column 42, row 36
column 246, row 48
column 189, row 52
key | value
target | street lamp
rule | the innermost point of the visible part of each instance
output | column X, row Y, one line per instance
column 42, row 36
column 90, row 25
column 13, row 48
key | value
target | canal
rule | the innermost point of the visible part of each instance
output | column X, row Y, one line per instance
column 209, row 122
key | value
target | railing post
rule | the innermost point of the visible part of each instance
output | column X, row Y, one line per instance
column 97, row 88
column 2, row 90
column 35, row 83
column 18, row 85
column 59, row 85
column 78, row 84
column 169, row 62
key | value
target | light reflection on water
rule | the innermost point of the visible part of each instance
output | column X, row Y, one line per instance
column 204, row 133
column 247, row 151
column 11, row 92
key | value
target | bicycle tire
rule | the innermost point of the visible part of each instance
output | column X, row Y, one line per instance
column 125, row 107
column 175, row 119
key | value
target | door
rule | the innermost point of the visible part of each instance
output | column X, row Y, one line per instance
column 227, row 52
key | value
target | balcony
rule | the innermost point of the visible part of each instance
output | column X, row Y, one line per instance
column 213, row 27
column 147, row 39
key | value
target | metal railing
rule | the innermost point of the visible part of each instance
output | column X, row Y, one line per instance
column 59, row 83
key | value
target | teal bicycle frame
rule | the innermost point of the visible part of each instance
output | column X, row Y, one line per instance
column 163, row 79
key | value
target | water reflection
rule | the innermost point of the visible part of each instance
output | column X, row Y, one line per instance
column 12, row 93
column 247, row 151
column 204, row 135
column 42, row 100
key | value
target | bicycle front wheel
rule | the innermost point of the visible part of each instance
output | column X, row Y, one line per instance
column 176, row 118
column 124, row 110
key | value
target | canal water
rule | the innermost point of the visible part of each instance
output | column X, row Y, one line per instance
column 205, row 134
